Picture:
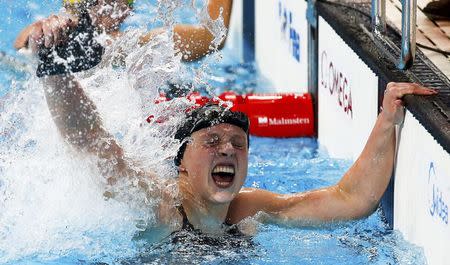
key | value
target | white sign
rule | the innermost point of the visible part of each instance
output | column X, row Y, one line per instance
column 348, row 96
column 422, row 192
column 281, row 43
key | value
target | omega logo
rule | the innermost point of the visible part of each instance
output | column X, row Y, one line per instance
column 437, row 206
column 336, row 83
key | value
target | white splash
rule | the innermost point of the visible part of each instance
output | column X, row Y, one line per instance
column 51, row 197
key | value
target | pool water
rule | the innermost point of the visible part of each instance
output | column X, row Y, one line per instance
column 52, row 210
column 296, row 165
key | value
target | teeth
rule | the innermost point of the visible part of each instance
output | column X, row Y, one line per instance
column 224, row 169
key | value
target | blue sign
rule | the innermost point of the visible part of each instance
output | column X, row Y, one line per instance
column 286, row 18
column 438, row 207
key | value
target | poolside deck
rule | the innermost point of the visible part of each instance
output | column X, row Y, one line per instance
column 435, row 34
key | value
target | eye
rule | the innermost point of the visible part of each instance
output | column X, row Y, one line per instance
column 239, row 143
column 213, row 140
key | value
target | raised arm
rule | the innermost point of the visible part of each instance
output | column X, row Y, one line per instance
column 358, row 193
column 77, row 120
column 195, row 41
column 74, row 113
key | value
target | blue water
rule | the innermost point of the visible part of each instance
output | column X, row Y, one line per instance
column 279, row 165
column 15, row 15
column 295, row 165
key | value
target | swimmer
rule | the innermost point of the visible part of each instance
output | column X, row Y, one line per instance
column 192, row 41
column 212, row 164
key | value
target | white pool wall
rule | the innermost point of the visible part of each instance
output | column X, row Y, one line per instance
column 422, row 191
column 280, row 46
column 348, row 96
column 423, row 166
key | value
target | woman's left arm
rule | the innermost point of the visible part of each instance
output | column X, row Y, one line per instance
column 359, row 191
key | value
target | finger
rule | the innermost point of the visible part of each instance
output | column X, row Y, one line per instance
column 417, row 89
column 398, row 90
column 67, row 25
column 71, row 23
column 21, row 43
column 402, row 89
column 392, row 86
column 63, row 30
column 401, row 84
column 35, row 39
column 426, row 91
column 398, row 103
column 23, row 37
column 48, row 34
column 56, row 30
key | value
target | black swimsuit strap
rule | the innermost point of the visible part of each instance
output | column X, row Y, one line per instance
column 231, row 228
column 186, row 223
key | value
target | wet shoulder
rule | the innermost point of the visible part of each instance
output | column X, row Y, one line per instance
column 167, row 212
column 248, row 203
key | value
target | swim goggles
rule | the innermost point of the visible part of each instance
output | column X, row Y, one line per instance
column 206, row 116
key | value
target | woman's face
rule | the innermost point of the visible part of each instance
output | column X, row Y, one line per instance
column 214, row 165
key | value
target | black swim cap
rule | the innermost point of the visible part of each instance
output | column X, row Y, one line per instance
column 209, row 115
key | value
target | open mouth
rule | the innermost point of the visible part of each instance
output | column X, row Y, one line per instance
column 223, row 176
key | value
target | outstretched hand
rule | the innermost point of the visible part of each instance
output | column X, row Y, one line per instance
column 46, row 33
column 393, row 99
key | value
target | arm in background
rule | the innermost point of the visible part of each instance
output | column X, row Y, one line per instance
column 194, row 41
column 359, row 191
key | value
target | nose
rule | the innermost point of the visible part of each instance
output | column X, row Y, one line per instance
column 226, row 149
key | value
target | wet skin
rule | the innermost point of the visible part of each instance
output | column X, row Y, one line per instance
column 209, row 153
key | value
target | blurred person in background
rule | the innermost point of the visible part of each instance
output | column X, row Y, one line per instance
column 192, row 41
